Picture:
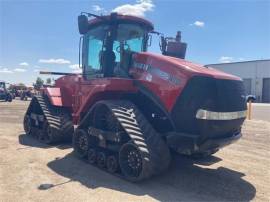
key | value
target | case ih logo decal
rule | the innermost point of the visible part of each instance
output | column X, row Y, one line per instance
column 156, row 71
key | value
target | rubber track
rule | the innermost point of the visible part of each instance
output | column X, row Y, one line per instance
column 154, row 150
column 62, row 127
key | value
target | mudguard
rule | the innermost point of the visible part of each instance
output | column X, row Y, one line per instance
column 54, row 95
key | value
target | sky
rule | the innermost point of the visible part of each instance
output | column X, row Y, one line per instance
column 43, row 34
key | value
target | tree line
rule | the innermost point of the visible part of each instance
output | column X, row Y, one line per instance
column 37, row 84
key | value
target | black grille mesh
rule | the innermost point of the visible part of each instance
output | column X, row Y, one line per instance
column 212, row 94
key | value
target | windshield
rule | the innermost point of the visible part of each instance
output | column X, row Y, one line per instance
column 100, row 56
column 131, row 36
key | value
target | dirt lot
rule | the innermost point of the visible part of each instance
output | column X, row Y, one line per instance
column 239, row 172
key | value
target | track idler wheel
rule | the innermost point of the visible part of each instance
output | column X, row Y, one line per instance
column 27, row 124
column 101, row 159
column 92, row 156
column 46, row 136
column 112, row 164
column 131, row 162
column 81, row 143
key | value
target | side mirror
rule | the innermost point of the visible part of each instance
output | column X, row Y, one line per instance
column 83, row 24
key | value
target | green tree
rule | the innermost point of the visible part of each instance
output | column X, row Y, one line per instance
column 49, row 81
column 21, row 86
column 38, row 84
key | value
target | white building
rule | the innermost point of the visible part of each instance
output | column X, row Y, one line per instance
column 255, row 75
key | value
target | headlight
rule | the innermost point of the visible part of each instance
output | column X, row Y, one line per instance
column 209, row 115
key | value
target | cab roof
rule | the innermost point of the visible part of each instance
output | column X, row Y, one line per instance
column 122, row 18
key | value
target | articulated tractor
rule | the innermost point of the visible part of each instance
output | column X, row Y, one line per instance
column 130, row 109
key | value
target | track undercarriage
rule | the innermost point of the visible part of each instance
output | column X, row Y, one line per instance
column 116, row 137
column 120, row 140
column 47, row 123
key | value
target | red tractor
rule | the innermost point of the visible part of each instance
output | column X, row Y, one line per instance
column 132, row 108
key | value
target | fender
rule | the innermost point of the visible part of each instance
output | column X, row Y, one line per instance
column 85, row 115
column 54, row 95
column 155, row 101
column 134, row 97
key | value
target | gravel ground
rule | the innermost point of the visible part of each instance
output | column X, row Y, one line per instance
column 30, row 171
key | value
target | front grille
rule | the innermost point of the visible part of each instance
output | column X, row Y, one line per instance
column 218, row 95
column 230, row 95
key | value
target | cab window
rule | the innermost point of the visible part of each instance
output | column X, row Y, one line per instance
column 94, row 47
column 132, row 37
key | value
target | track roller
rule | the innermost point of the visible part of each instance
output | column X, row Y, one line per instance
column 112, row 164
column 81, row 143
column 27, row 125
column 92, row 156
column 101, row 159
column 132, row 162
column 47, row 134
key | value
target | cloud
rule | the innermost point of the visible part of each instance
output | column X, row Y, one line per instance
column 138, row 9
column 225, row 59
column 5, row 70
column 77, row 71
column 198, row 23
column 19, row 70
column 24, row 64
column 98, row 8
column 74, row 66
column 54, row 61
column 36, row 70
column 241, row 59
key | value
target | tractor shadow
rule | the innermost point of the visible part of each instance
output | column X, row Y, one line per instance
column 32, row 142
column 184, row 181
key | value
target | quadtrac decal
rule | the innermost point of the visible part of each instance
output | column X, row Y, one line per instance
column 156, row 71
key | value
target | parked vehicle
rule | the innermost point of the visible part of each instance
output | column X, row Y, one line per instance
column 25, row 94
column 4, row 93
column 251, row 98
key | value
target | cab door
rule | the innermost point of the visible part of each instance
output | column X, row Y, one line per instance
column 93, row 45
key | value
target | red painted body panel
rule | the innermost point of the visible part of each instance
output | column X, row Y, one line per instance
column 94, row 90
column 164, row 76
column 54, row 95
column 178, row 68
column 79, row 94
column 68, row 86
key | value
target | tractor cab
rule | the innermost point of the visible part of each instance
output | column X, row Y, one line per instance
column 4, row 93
column 109, row 42
column 2, row 86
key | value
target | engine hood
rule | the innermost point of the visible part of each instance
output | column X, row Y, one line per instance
column 167, row 63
